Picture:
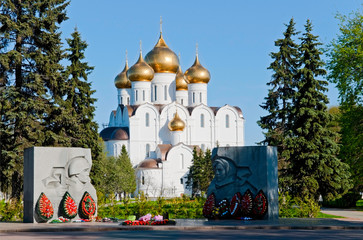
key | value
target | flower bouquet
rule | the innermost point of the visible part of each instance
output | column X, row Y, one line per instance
column 148, row 219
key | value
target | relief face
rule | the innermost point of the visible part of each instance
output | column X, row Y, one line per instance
column 228, row 178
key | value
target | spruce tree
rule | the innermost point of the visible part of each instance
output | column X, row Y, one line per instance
column 201, row 172
column 193, row 174
column 78, row 123
column 31, row 82
column 279, row 99
column 207, row 171
column 314, row 167
column 127, row 180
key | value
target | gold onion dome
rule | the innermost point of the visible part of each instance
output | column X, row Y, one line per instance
column 176, row 124
column 121, row 80
column 161, row 58
column 140, row 71
column 180, row 81
column 197, row 73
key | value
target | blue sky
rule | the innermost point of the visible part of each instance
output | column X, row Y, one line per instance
column 235, row 39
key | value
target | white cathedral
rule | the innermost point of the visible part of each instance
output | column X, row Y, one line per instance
column 162, row 115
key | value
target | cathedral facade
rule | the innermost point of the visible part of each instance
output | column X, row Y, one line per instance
column 162, row 115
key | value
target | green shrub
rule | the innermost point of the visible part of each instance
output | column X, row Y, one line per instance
column 11, row 210
column 175, row 208
column 347, row 201
column 359, row 203
column 296, row 207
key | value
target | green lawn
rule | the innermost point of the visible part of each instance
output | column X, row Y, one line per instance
column 323, row 215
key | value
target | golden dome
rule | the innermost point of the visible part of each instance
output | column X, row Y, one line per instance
column 140, row 71
column 161, row 58
column 176, row 124
column 197, row 73
column 121, row 80
column 180, row 81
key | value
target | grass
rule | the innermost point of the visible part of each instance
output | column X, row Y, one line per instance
column 323, row 215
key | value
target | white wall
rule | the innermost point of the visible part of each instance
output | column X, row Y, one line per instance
column 165, row 88
column 141, row 135
column 197, row 94
column 203, row 134
column 175, row 167
column 149, row 181
column 140, row 92
column 182, row 97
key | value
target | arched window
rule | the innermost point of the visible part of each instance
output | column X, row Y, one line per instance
column 147, row 120
column 227, row 121
column 136, row 97
column 165, row 92
column 200, row 97
column 143, row 180
column 143, row 95
column 121, row 100
column 155, row 92
column 181, row 101
column 193, row 97
column 202, row 120
column 182, row 161
column 147, row 148
column 128, row 101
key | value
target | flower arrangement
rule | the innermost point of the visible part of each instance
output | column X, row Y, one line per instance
column 148, row 219
column 87, row 207
column 259, row 204
column 209, row 209
column 224, row 209
column 246, row 203
column 44, row 208
column 60, row 220
column 235, row 206
column 68, row 207
column 240, row 207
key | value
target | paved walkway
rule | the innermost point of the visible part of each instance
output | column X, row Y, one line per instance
column 348, row 214
column 245, row 234
column 189, row 225
column 285, row 228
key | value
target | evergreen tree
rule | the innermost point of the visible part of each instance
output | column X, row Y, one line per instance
column 201, row 172
column 127, row 179
column 346, row 71
column 104, row 171
column 314, row 167
column 279, row 99
column 31, row 82
column 78, row 124
column 207, row 171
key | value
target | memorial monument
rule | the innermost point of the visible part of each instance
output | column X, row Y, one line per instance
column 245, row 183
column 57, row 184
